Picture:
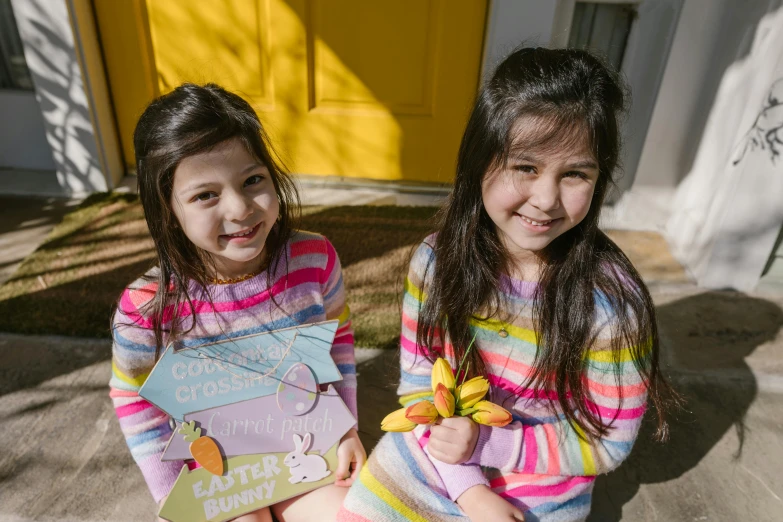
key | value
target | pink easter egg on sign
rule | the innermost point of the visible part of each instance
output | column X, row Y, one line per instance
column 297, row 391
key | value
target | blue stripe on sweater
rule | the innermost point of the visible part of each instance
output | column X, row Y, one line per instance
column 580, row 501
column 346, row 369
column 449, row 507
column 299, row 318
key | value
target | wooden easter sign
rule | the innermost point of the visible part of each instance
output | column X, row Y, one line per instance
column 225, row 372
column 258, row 426
column 250, row 482
column 264, row 439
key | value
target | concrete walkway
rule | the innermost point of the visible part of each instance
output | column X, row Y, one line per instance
column 63, row 456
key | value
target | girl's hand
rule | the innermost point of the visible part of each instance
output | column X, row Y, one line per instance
column 452, row 440
column 480, row 503
column 350, row 459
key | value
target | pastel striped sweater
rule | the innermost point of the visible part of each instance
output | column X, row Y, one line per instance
column 538, row 462
column 309, row 289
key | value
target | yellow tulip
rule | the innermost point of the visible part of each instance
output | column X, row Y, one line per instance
column 423, row 412
column 472, row 391
column 396, row 421
column 444, row 401
column 441, row 373
column 491, row 414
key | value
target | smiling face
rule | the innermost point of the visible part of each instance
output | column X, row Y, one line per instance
column 538, row 194
column 226, row 204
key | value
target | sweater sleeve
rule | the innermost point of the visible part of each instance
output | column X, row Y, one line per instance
column 342, row 348
column 615, row 390
column 416, row 369
column 145, row 427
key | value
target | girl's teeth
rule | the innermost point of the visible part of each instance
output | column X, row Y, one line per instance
column 242, row 234
column 537, row 223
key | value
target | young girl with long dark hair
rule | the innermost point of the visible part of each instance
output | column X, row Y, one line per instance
column 521, row 283
column 221, row 212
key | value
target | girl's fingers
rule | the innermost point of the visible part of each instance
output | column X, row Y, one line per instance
column 440, row 455
column 358, row 467
column 342, row 468
column 443, row 433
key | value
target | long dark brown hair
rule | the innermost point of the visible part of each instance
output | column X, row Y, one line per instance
column 569, row 92
column 193, row 119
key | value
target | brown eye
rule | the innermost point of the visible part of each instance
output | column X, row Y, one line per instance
column 205, row 196
column 527, row 169
column 254, row 180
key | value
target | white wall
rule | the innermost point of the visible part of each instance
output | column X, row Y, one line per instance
column 728, row 211
column 514, row 22
column 23, row 142
column 81, row 141
column 711, row 35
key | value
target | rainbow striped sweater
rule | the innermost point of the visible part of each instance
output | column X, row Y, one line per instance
column 539, row 462
column 308, row 289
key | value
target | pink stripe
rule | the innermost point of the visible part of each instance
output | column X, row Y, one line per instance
column 621, row 414
column 553, row 468
column 308, row 246
column 347, row 516
column 613, row 392
column 547, row 491
column 134, row 407
column 331, row 258
column 517, row 478
column 503, row 360
column 424, row 439
column 289, row 282
column 530, row 449
column 525, row 393
column 344, row 338
column 410, row 346
column 114, row 393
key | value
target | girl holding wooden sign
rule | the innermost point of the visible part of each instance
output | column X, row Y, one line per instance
column 221, row 212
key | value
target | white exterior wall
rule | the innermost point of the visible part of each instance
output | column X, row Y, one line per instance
column 711, row 35
column 23, row 142
column 70, row 88
column 728, row 212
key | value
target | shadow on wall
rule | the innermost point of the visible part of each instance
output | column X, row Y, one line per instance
column 709, row 336
column 51, row 57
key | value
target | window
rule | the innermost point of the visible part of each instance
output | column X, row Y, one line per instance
column 602, row 27
column 13, row 67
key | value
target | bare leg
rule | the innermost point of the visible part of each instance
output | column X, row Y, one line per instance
column 321, row 504
column 261, row 515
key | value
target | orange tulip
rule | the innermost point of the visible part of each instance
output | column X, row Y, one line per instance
column 444, row 401
column 442, row 374
column 423, row 412
column 396, row 421
column 472, row 391
column 490, row 414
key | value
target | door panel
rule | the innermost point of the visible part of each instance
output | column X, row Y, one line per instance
column 348, row 88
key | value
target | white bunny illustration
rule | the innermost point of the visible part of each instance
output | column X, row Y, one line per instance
column 305, row 468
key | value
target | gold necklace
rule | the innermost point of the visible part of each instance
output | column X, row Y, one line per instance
column 232, row 280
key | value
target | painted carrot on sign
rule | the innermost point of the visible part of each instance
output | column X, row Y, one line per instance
column 204, row 449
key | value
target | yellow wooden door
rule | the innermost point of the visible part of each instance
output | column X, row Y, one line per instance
column 353, row 88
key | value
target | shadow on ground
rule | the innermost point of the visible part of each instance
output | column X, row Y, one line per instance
column 708, row 337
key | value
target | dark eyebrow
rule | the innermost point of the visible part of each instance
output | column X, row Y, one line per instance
column 523, row 157
column 586, row 164
column 252, row 167
column 198, row 187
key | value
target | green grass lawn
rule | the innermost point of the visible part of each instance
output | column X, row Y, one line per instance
column 69, row 286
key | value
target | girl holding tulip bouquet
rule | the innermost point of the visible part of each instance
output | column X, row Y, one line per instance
column 529, row 347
